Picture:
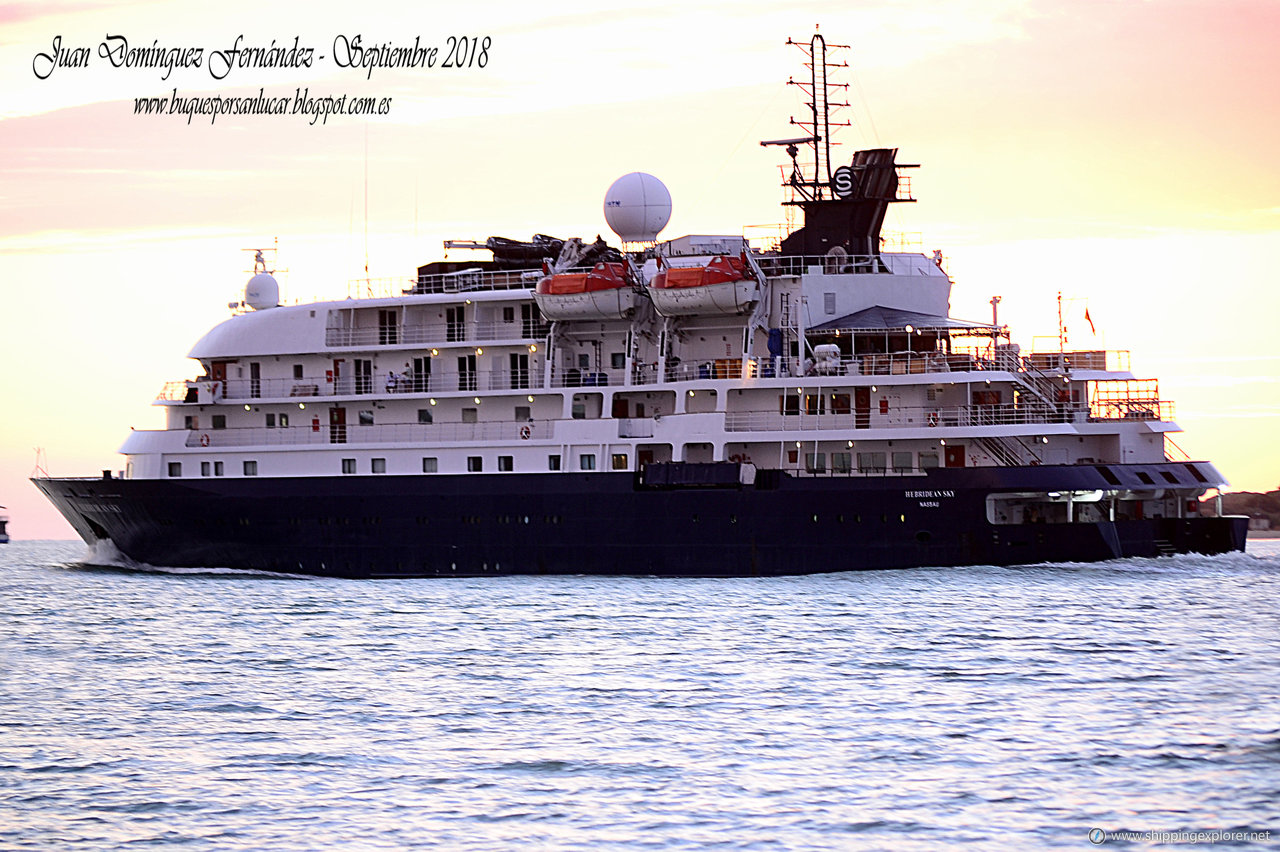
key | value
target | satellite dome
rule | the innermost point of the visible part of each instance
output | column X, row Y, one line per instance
column 637, row 206
column 262, row 292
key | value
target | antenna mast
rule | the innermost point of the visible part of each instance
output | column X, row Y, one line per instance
column 819, row 124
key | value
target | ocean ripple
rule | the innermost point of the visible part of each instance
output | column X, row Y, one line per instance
column 985, row 707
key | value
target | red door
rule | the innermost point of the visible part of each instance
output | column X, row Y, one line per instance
column 862, row 408
column 955, row 455
column 337, row 425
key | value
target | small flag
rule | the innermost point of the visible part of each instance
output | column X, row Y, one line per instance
column 1089, row 320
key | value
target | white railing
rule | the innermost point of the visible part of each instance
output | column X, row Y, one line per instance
column 883, row 264
column 904, row 417
column 466, row 280
column 439, row 334
column 377, row 385
column 318, row 434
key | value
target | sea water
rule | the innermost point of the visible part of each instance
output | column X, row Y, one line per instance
column 983, row 707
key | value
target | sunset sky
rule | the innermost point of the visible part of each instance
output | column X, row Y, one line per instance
column 1123, row 153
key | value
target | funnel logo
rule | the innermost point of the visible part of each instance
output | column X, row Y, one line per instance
column 842, row 182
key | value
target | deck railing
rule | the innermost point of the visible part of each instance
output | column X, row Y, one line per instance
column 438, row 334
column 319, row 434
column 962, row 416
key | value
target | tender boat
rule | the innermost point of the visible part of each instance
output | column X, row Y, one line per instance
column 604, row 292
column 725, row 285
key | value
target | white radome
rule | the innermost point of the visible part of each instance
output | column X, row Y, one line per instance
column 262, row 292
column 637, row 207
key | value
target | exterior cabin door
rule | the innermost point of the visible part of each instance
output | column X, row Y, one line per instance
column 454, row 319
column 255, row 379
column 862, row 408
column 530, row 319
column 364, row 375
column 421, row 382
column 341, row 381
column 955, row 455
column 218, row 371
column 388, row 328
column 337, row 425
column 466, row 372
column 519, row 370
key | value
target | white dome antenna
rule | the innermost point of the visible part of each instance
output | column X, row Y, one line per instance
column 637, row 207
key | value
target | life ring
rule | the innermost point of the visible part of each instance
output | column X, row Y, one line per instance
column 204, row 440
column 525, row 432
column 933, row 418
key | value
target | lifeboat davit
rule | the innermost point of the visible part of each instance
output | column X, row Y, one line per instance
column 723, row 286
column 603, row 293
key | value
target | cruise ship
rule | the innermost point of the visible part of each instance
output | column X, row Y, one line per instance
column 708, row 405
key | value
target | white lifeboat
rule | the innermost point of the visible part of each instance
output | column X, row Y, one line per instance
column 723, row 286
column 603, row 293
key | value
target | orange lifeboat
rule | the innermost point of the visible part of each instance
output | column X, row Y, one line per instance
column 724, row 286
column 605, row 292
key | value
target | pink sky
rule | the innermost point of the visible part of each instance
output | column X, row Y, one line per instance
column 1122, row 152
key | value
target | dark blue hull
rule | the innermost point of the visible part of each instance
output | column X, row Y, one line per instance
column 607, row 523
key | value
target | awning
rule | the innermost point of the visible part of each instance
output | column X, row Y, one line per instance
column 895, row 319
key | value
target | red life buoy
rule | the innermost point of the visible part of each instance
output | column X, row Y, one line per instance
column 933, row 418
column 204, row 440
column 525, row 432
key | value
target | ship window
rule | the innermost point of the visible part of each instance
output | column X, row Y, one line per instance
column 508, row 314
column 840, row 403
column 584, row 361
column 789, row 403
column 553, row 462
column 814, row 403
column 378, row 465
column 283, row 420
column 1169, row 477
column 424, row 415
column 871, row 462
column 829, row 304
column 366, row 418
column 205, row 468
column 792, row 455
column 348, row 465
column 191, row 422
column 271, row 421
column 1146, row 478
column 587, row 461
column 815, row 462
column 297, row 371
column 620, row 462
column 469, row 415
column 1108, row 475
column 217, row 468
column 175, row 469
column 506, row 463
column 902, row 461
column 475, row 464
column 219, row 421
column 579, row 409
column 928, row 460
column 841, row 462
column 250, row 468
column 430, row 464
column 618, row 360
column 1193, row 470
column 522, row 413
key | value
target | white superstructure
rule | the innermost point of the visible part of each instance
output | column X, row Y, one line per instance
column 843, row 366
